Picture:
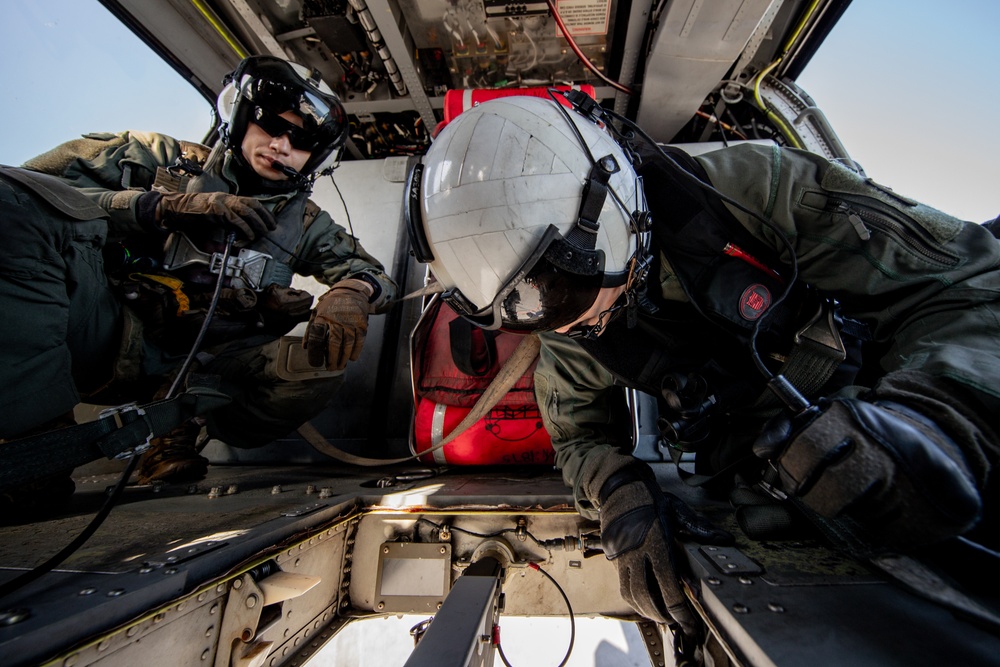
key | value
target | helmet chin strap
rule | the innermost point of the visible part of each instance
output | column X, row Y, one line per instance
column 625, row 303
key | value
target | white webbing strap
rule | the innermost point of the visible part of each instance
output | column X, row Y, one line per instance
column 522, row 357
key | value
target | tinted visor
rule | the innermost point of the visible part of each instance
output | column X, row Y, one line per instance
column 547, row 298
column 539, row 296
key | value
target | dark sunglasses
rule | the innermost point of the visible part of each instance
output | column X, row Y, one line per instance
column 276, row 126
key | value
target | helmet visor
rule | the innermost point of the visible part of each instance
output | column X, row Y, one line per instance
column 275, row 86
column 539, row 296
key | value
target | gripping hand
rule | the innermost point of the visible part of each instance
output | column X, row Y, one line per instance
column 639, row 528
column 199, row 210
column 882, row 464
column 338, row 325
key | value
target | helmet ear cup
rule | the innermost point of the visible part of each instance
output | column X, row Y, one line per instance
column 227, row 102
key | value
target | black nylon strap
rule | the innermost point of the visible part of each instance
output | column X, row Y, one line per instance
column 595, row 192
column 116, row 435
column 473, row 349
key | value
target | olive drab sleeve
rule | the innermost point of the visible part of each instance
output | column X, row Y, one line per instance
column 112, row 170
column 329, row 253
column 579, row 404
column 927, row 284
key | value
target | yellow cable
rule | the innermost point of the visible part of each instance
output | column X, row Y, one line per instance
column 800, row 28
column 219, row 28
column 773, row 117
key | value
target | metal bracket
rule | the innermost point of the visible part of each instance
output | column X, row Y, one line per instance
column 245, row 270
column 116, row 413
column 730, row 560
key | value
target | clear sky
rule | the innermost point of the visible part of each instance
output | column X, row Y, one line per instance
column 57, row 85
column 910, row 87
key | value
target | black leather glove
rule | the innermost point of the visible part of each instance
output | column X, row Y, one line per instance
column 882, row 464
column 338, row 325
column 639, row 527
column 198, row 210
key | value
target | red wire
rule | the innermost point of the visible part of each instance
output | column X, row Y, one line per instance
column 579, row 54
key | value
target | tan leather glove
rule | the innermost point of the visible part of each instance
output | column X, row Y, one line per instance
column 338, row 325
column 190, row 211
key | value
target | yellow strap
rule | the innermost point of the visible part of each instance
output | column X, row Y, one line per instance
column 183, row 302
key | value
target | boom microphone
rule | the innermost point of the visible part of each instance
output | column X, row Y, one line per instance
column 286, row 170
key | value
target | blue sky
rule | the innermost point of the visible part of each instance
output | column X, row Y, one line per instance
column 57, row 85
column 910, row 87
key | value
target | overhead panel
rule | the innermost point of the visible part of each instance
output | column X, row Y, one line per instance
column 696, row 43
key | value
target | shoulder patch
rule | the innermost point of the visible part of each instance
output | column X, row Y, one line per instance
column 754, row 301
column 311, row 213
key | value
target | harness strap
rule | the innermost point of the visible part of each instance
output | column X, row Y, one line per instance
column 817, row 351
column 118, row 434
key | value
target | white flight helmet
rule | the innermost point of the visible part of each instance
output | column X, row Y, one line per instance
column 500, row 210
column 263, row 87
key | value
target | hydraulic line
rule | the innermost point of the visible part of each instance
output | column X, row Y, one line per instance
column 583, row 58
column 773, row 117
column 371, row 29
column 219, row 28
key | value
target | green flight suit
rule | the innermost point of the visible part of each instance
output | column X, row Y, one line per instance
column 113, row 170
column 60, row 325
column 928, row 287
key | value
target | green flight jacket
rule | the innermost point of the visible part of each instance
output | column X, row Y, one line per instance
column 114, row 169
column 926, row 284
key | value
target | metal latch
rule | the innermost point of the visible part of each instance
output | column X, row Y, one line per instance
column 116, row 413
column 246, row 270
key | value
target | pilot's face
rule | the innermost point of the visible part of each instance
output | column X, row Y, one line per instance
column 261, row 149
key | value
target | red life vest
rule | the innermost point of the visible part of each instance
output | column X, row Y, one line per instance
column 452, row 363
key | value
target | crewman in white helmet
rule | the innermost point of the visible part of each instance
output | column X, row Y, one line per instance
column 805, row 330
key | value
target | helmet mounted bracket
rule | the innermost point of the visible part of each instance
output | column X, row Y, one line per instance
column 576, row 252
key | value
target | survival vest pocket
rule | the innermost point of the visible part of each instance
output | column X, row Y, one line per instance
column 923, row 238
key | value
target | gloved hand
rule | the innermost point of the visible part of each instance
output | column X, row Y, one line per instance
column 882, row 464
column 639, row 527
column 283, row 307
column 190, row 211
column 338, row 325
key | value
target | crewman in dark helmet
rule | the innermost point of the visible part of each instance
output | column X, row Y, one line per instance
column 824, row 342
column 159, row 209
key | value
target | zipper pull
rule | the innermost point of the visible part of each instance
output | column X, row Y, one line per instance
column 855, row 220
